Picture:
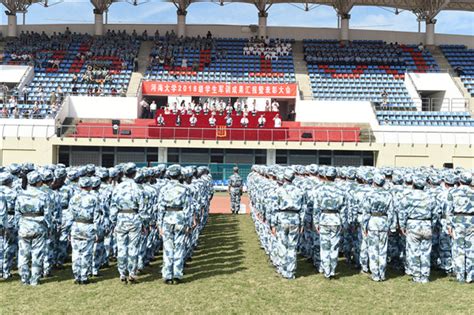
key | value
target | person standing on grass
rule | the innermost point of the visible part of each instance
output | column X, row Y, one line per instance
column 235, row 189
column 85, row 225
column 128, row 214
column 174, row 222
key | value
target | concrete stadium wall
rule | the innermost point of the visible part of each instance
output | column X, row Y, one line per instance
column 101, row 107
column 43, row 151
column 338, row 112
column 243, row 31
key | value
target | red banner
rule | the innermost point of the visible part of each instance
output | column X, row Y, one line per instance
column 219, row 89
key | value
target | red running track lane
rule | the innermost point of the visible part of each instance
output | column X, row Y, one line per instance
column 220, row 204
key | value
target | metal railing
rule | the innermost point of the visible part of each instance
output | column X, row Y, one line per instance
column 394, row 135
column 430, row 105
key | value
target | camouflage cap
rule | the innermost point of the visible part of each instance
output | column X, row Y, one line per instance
column 289, row 174
column 85, row 182
column 60, row 173
column 465, row 178
column 139, row 178
column 331, row 172
column 33, row 177
column 129, row 168
column 174, row 170
column 379, row 179
column 14, row 168
column 419, row 181
column 73, row 175
column 46, row 175
column 6, row 178
column 95, row 181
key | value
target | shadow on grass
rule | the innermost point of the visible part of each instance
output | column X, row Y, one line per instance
column 219, row 251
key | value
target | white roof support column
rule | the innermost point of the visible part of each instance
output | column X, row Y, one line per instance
column 343, row 7
column 182, row 7
column 262, row 24
column 100, row 6
column 427, row 12
column 98, row 23
column 262, row 6
column 12, row 24
column 181, row 31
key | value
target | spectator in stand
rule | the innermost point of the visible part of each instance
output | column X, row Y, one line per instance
column 12, row 103
column 275, row 106
column 261, row 121
column 60, row 93
column 212, row 121
column 153, row 108
column 193, row 120
column 52, row 98
column 16, row 113
column 24, row 94
column 244, row 122
column 35, row 112
column 5, row 113
column 228, row 121
column 277, row 121
column 384, row 96
column 184, row 63
column 178, row 120
column 145, row 108
column 160, row 121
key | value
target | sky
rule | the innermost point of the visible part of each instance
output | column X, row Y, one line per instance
column 153, row 12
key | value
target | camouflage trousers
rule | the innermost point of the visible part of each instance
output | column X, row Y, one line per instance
column 152, row 243
column 10, row 249
column 306, row 239
column 81, row 257
column 49, row 253
column 98, row 253
column 418, row 247
column 445, row 246
column 348, row 243
column 63, row 244
column 110, row 246
column 463, row 252
column 235, row 197
column 2, row 250
column 330, row 237
column 286, row 242
column 173, row 251
column 377, row 248
column 31, row 250
column 361, row 254
column 127, row 250
column 393, row 250
column 142, row 259
column 317, row 252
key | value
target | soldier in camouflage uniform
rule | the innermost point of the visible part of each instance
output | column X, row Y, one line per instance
column 235, row 190
column 3, row 227
column 128, row 214
column 10, row 230
column 33, row 214
column 174, row 221
column 460, row 220
column 417, row 223
column 85, row 221
column 378, row 220
column 329, row 204
column 287, row 219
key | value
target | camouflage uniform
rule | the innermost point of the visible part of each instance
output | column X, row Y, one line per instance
column 3, row 226
column 10, row 229
column 128, row 214
column 174, row 220
column 85, row 221
column 235, row 190
column 329, row 219
column 378, row 220
column 460, row 218
column 33, row 214
column 287, row 218
column 418, row 222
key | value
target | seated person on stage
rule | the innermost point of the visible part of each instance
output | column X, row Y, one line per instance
column 254, row 108
column 228, row 121
column 167, row 110
column 268, row 107
column 205, row 108
column 244, row 122
column 212, row 121
column 198, row 109
column 193, row 121
column 261, row 121
column 275, row 106
column 160, row 120
column 277, row 121
column 178, row 120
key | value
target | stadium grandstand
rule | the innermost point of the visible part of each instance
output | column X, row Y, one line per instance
column 225, row 94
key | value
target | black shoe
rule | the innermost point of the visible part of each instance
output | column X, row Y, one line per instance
column 77, row 281
column 123, row 279
column 97, row 275
column 132, row 280
column 168, row 281
column 85, row 282
column 106, row 265
column 176, row 281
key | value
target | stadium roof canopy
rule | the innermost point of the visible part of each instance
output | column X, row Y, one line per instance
column 425, row 10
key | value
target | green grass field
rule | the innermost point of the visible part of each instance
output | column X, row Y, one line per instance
column 230, row 274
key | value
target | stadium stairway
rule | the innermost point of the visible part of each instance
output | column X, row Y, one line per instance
column 301, row 71
column 143, row 55
column 444, row 65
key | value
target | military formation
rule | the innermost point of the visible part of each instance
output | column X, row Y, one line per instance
column 412, row 219
column 92, row 215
